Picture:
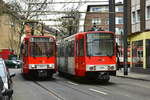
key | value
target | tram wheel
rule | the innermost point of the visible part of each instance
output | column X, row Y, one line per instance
column 60, row 73
column 105, row 80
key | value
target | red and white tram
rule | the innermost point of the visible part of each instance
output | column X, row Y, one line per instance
column 39, row 56
column 89, row 54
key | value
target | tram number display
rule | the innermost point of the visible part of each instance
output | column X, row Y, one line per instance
column 39, row 39
column 100, row 36
column 100, row 67
column 41, row 67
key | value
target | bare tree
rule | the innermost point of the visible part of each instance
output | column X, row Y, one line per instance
column 70, row 20
column 23, row 10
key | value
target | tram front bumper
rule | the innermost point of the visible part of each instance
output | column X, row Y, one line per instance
column 41, row 66
column 109, row 67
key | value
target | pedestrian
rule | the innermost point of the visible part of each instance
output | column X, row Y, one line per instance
column 118, row 54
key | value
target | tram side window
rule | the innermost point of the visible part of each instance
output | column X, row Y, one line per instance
column 61, row 51
column 58, row 51
column 71, row 49
column 81, row 47
column 66, row 50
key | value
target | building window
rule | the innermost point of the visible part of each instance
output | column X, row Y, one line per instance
column 137, row 53
column 119, row 20
column 133, row 17
column 96, row 21
column 105, row 9
column 119, row 31
column 148, row 53
column 148, row 12
column 99, row 9
column 119, row 9
column 107, row 21
column 96, row 9
column 138, row 15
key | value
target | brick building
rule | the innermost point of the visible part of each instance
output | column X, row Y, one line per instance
column 99, row 14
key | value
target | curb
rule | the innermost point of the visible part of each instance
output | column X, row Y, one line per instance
column 133, row 78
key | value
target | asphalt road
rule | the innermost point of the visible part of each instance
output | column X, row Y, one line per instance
column 66, row 89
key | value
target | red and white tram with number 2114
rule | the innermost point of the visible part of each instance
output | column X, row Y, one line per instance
column 89, row 54
column 39, row 56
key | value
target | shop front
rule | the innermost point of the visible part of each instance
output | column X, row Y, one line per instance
column 140, row 52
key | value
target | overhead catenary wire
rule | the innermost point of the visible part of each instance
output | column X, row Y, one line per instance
column 68, row 12
column 105, row 1
column 89, row 19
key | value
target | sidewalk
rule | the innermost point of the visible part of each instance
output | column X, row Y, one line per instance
column 132, row 75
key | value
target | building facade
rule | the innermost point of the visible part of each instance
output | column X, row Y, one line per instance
column 140, row 36
column 9, row 34
column 99, row 15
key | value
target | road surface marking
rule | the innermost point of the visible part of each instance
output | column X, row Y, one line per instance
column 72, row 83
column 104, row 93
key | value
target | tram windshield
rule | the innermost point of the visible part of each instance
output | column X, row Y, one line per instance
column 100, row 44
column 42, row 48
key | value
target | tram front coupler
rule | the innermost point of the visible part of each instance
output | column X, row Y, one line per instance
column 42, row 73
column 104, row 76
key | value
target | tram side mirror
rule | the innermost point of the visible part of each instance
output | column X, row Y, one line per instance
column 22, row 49
column 23, row 52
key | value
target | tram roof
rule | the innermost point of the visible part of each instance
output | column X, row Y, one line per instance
column 88, row 33
column 27, row 37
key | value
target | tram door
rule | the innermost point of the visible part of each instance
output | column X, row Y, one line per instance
column 80, row 59
column 66, row 58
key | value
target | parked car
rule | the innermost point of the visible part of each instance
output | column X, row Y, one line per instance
column 13, row 63
column 5, row 94
column 6, row 77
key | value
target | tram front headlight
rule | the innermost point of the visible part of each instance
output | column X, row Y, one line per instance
column 112, row 67
column 50, row 66
column 32, row 66
column 91, row 67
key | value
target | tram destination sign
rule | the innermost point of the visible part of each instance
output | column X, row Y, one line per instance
column 41, row 39
column 96, row 36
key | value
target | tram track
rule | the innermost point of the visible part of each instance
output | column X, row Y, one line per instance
column 67, row 84
column 102, row 90
column 72, row 87
column 54, row 94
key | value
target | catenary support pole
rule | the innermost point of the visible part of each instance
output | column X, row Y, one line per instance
column 112, row 15
column 125, row 37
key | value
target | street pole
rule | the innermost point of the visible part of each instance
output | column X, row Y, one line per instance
column 42, row 30
column 125, row 37
column 142, row 15
column 112, row 24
